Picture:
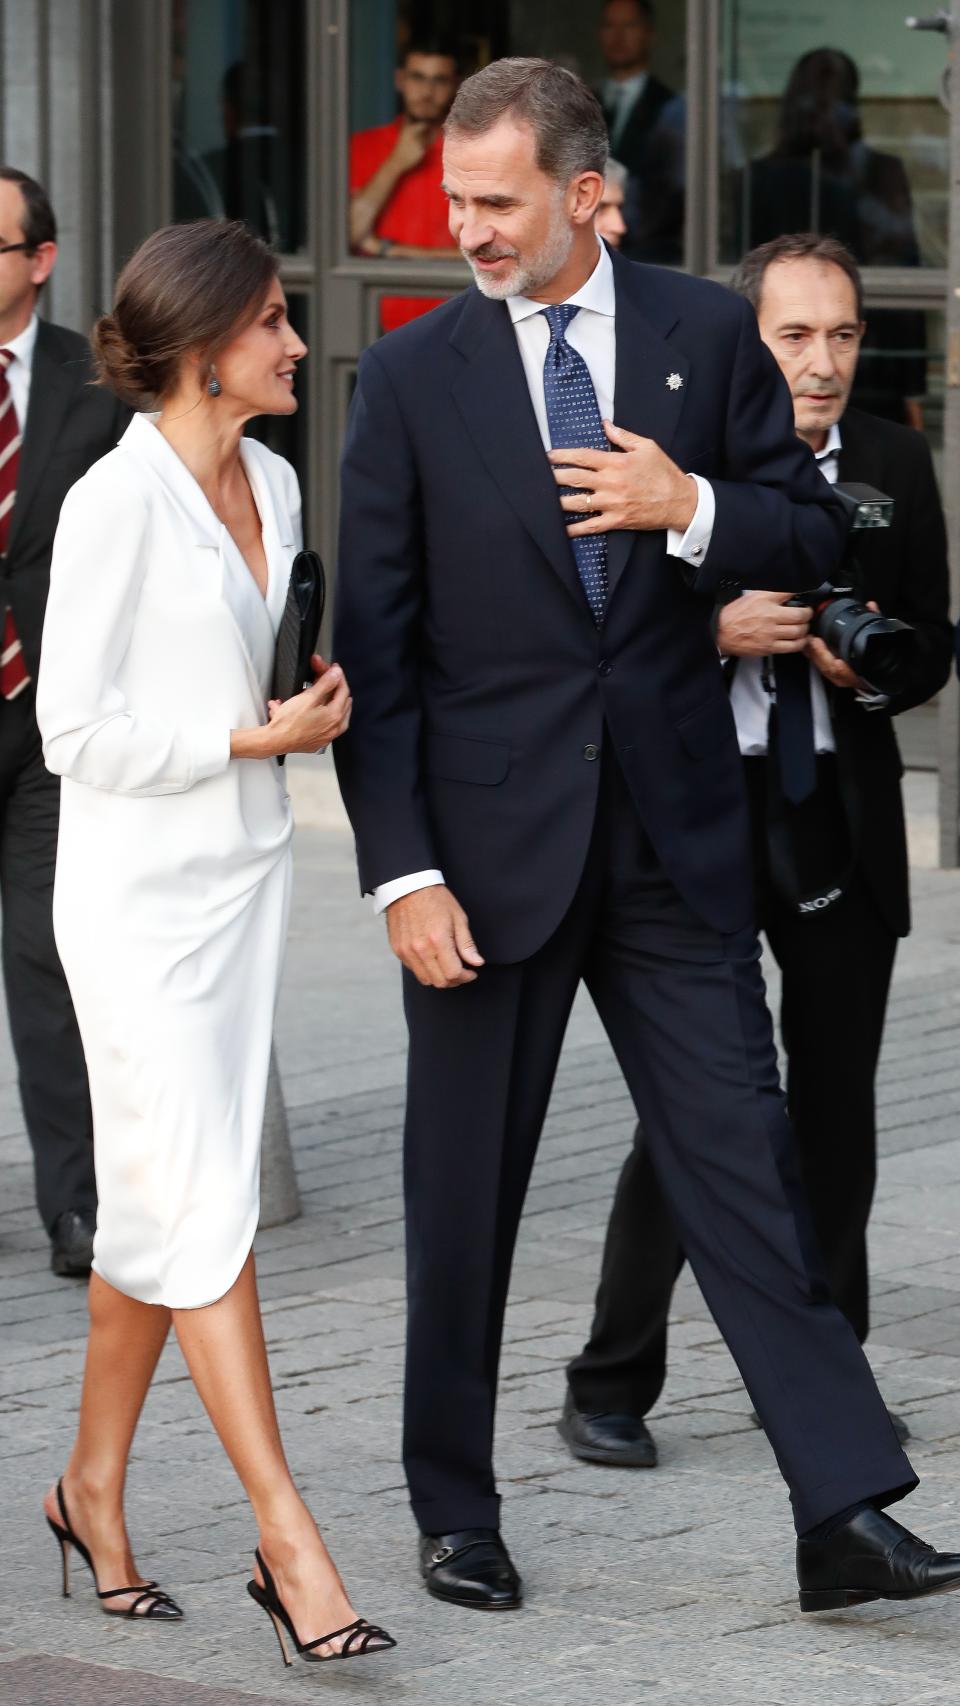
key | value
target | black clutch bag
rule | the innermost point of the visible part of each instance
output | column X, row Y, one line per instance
column 299, row 630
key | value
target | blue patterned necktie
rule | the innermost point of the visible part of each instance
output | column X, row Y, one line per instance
column 573, row 419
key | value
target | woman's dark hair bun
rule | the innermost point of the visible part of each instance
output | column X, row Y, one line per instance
column 187, row 290
column 121, row 367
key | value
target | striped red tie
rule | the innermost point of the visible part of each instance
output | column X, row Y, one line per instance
column 13, row 670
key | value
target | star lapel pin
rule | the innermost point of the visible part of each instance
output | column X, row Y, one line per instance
column 674, row 381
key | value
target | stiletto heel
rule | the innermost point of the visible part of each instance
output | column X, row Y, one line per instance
column 64, row 1545
column 359, row 1637
column 157, row 1604
column 256, row 1592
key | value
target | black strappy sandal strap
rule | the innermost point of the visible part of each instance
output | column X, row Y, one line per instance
column 137, row 1587
column 361, row 1631
column 368, row 1632
column 144, row 1591
column 62, row 1506
column 324, row 1640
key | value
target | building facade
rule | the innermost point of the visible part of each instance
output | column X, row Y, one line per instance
column 769, row 117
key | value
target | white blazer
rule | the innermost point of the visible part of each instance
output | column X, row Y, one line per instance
column 156, row 644
column 173, row 861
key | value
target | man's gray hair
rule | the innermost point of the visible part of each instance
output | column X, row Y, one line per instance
column 616, row 173
column 565, row 116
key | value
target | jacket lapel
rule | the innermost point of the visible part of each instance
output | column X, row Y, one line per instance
column 52, row 387
column 143, row 440
column 492, row 397
column 858, row 459
column 494, row 401
column 647, row 398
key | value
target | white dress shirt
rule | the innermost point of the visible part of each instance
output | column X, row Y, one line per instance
column 593, row 334
column 21, row 367
column 752, row 690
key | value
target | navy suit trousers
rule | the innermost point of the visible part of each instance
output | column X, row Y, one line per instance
column 685, row 1011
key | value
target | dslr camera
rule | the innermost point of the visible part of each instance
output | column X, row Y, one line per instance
column 877, row 648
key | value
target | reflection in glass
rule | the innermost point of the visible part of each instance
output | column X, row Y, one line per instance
column 239, row 145
column 814, row 139
column 805, row 160
column 821, row 174
column 646, row 121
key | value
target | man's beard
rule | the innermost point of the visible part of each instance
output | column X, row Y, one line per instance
column 529, row 276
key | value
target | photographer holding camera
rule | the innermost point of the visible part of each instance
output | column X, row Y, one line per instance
column 823, row 775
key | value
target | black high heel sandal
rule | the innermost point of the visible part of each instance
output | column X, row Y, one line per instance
column 159, row 1604
column 358, row 1635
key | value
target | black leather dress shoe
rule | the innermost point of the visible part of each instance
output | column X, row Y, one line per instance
column 71, row 1242
column 900, row 1427
column 470, row 1567
column 871, row 1557
column 624, row 1442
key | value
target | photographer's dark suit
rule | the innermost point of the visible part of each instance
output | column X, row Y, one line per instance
column 581, row 790
column 69, row 424
column 836, row 966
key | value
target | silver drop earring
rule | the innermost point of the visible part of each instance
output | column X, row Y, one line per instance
column 214, row 386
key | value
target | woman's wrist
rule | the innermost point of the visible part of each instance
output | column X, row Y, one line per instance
column 253, row 743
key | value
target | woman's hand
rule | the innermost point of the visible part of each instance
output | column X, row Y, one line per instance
column 306, row 723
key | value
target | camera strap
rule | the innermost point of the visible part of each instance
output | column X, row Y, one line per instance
column 811, row 845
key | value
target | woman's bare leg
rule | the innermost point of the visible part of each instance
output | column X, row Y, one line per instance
column 224, row 1349
column 123, row 1348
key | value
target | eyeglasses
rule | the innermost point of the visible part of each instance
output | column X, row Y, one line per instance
column 11, row 248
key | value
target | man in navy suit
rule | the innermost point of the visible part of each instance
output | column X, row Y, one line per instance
column 545, row 785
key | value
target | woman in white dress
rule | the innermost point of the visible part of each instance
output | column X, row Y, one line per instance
column 169, row 578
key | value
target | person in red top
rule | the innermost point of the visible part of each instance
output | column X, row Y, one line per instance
column 397, row 206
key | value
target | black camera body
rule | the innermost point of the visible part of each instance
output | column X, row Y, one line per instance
column 877, row 648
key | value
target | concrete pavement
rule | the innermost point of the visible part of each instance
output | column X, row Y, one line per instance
column 675, row 1585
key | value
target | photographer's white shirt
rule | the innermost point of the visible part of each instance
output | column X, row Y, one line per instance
column 752, row 692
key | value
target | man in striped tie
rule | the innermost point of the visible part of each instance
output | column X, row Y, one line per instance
column 53, row 425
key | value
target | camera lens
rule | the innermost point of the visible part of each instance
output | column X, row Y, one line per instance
column 877, row 648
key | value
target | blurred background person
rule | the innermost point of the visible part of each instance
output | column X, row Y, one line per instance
column 53, row 425
column 821, row 175
column 645, row 123
column 247, row 170
column 397, row 204
column 610, row 223
column 823, row 771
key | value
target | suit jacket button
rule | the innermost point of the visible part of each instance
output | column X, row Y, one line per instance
column 604, row 667
column 591, row 752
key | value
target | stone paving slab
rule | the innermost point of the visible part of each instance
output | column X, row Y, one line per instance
column 675, row 1585
column 51, row 1682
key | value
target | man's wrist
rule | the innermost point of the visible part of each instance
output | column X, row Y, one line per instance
column 688, row 496
column 398, row 888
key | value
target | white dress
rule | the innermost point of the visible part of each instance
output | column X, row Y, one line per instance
column 173, row 868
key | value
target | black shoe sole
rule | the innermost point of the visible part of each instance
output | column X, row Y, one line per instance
column 473, row 1604
column 608, row 1457
column 837, row 1599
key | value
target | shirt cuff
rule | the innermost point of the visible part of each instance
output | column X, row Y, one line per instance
column 695, row 543
column 386, row 893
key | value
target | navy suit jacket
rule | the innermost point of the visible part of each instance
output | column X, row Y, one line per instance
column 482, row 687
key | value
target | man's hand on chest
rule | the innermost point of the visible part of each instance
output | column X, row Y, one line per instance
column 634, row 485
